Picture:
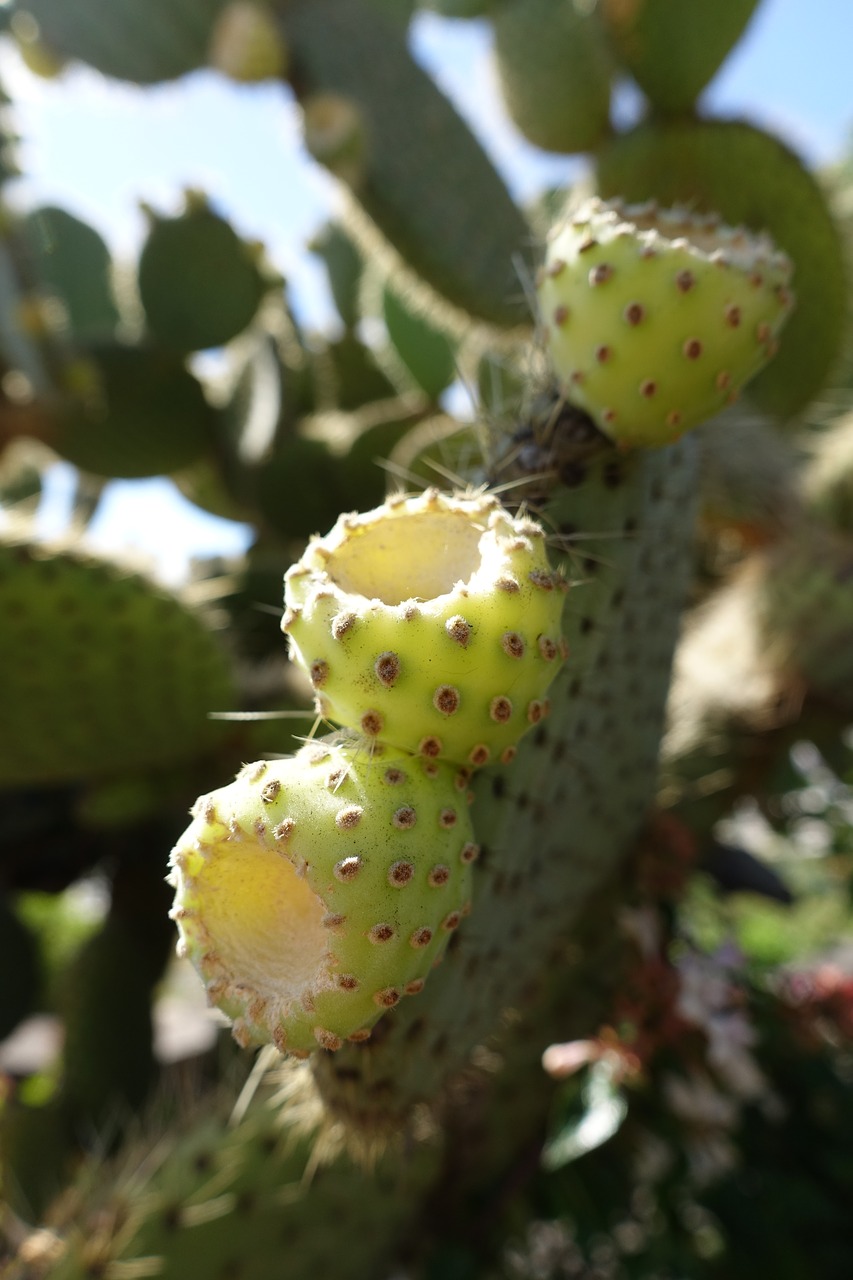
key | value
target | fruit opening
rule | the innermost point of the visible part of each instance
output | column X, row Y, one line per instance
column 263, row 920
column 413, row 556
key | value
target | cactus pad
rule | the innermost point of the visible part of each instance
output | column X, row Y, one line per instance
column 315, row 892
column 655, row 319
column 432, row 623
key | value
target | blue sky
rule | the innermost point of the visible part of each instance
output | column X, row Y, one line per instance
column 98, row 148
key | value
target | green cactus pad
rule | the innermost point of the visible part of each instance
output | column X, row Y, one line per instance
column 159, row 40
column 315, row 892
column 554, row 69
column 134, row 411
column 199, row 284
column 432, row 623
column 72, row 264
column 655, row 319
column 408, row 133
column 101, row 671
column 673, row 48
column 747, row 176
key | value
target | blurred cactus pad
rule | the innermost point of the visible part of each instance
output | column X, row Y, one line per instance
column 509, row 937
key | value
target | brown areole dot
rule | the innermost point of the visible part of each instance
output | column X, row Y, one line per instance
column 555, row 268
column 692, row 349
column 479, row 755
column 430, row 747
column 394, row 777
column 535, row 711
column 400, row 873
column 452, row 921
column 603, row 353
column 512, row 644
column 601, row 274
column 333, row 920
column 446, row 699
column 372, row 723
column 500, row 710
column 723, row 380
column 685, row 281
column 461, row 779
column 347, row 982
column 560, row 315
column 470, row 852
column 634, row 313
column 458, row 629
column 732, row 316
column 547, row 648
column 415, row 986
column 387, row 998
column 447, row 819
column 327, row 1039
column 674, row 418
column 387, row 667
column 508, row 584
column 404, row 818
column 648, row 389
column 421, row 937
column 342, row 623
column 284, row 830
column 270, row 791
column 438, row 876
column 359, row 1037
column 347, row 868
column 508, row 754
column 319, row 673
column 349, row 817
column 381, row 933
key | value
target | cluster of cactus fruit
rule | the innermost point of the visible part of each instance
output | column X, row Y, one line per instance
column 493, row 661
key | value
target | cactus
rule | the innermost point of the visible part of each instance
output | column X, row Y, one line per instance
column 492, row 796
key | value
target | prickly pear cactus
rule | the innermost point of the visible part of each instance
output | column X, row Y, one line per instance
column 422, row 900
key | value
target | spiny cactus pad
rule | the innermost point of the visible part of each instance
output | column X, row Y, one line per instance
column 432, row 622
column 656, row 318
column 316, row 891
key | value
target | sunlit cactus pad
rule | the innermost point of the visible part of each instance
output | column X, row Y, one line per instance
column 656, row 318
column 432, row 622
column 316, row 892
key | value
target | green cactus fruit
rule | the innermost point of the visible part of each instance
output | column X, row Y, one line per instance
column 134, row 411
column 673, row 49
column 316, row 891
column 199, row 283
column 655, row 319
column 747, row 176
column 72, row 263
column 147, row 43
column 102, row 672
column 246, row 45
column 432, row 623
column 554, row 68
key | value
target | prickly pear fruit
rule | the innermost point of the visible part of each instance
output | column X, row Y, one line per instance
column 747, row 176
column 656, row 318
column 316, row 891
column 432, row 622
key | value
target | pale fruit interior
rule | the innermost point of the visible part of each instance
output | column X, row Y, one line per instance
column 412, row 557
column 263, row 920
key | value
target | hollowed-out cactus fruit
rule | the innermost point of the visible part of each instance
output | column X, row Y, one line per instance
column 315, row 892
column 656, row 318
column 432, row 622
